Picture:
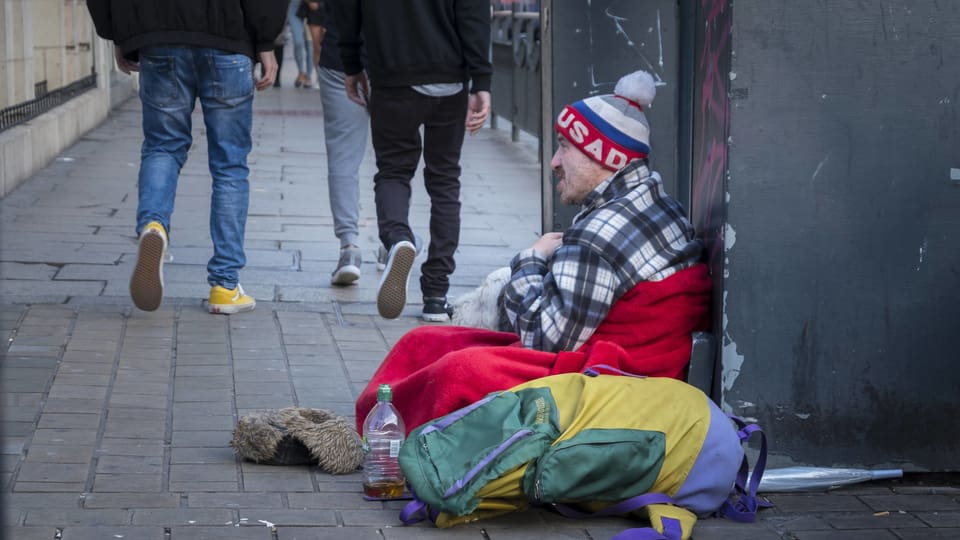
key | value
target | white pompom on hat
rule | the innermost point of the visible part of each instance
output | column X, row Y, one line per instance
column 612, row 129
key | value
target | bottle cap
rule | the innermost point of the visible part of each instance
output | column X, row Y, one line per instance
column 384, row 393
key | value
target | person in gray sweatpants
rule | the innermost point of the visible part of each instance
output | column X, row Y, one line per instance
column 345, row 126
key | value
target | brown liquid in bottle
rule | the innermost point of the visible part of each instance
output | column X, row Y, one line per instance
column 383, row 490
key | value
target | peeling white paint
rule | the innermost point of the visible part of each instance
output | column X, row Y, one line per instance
column 802, row 416
column 955, row 174
column 731, row 360
column 729, row 237
column 733, row 75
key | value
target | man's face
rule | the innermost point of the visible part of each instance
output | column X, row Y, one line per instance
column 577, row 174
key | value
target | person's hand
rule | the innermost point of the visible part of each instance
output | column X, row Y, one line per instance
column 548, row 243
column 358, row 88
column 478, row 107
column 268, row 70
column 125, row 65
column 314, row 6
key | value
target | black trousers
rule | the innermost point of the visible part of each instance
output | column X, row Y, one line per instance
column 396, row 116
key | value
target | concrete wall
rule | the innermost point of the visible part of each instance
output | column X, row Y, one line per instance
column 51, row 40
column 840, row 261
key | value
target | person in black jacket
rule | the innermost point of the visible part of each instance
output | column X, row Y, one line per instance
column 187, row 50
column 428, row 64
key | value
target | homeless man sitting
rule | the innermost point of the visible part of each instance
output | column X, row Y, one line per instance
column 622, row 287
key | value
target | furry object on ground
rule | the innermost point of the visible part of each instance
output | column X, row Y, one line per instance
column 298, row 435
column 478, row 308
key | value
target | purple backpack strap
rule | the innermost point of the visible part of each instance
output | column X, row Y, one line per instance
column 671, row 531
column 743, row 504
column 671, row 527
column 598, row 369
column 622, row 507
column 416, row 511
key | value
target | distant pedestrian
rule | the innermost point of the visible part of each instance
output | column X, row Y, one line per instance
column 314, row 13
column 345, row 126
column 428, row 67
column 302, row 54
column 185, row 50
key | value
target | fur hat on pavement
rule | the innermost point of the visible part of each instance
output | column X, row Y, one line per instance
column 298, row 436
column 611, row 129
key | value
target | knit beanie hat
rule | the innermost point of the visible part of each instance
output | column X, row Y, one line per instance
column 611, row 128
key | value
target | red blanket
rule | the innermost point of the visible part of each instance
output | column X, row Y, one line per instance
column 435, row 370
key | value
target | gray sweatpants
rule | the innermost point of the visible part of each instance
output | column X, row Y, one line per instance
column 345, row 126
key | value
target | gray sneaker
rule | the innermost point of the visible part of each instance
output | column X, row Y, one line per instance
column 381, row 258
column 348, row 267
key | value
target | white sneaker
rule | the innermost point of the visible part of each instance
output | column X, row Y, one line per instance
column 146, row 282
column 382, row 252
column 392, row 292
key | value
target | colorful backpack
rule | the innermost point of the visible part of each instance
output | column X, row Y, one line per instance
column 586, row 445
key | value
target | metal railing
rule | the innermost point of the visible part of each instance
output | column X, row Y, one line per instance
column 23, row 112
column 515, row 49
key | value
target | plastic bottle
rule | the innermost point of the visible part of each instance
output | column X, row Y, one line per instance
column 383, row 433
column 819, row 478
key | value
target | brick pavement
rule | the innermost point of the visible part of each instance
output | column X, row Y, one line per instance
column 116, row 422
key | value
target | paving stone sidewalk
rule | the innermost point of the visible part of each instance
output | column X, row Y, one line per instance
column 116, row 423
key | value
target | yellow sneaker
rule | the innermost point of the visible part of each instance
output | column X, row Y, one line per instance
column 228, row 301
column 146, row 283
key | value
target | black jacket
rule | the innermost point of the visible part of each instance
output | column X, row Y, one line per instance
column 411, row 42
column 240, row 26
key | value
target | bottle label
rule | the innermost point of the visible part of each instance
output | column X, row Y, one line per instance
column 394, row 448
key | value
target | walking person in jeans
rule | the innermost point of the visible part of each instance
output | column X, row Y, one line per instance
column 302, row 53
column 187, row 50
column 428, row 67
column 345, row 126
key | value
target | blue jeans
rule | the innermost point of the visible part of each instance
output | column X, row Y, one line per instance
column 171, row 80
column 302, row 51
column 345, row 134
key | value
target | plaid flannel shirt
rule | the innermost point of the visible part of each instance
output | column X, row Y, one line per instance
column 628, row 231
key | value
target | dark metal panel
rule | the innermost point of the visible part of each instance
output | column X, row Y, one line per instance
column 593, row 44
column 843, row 220
column 709, row 118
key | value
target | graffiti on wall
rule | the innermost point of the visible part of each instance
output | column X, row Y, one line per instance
column 711, row 125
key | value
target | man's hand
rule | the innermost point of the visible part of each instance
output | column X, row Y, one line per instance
column 125, row 65
column 358, row 88
column 548, row 243
column 268, row 70
column 478, row 107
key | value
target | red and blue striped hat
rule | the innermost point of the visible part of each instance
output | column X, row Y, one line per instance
column 611, row 129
